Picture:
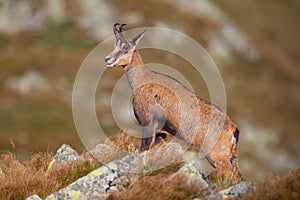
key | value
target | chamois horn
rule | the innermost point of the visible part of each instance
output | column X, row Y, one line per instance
column 116, row 31
column 117, row 28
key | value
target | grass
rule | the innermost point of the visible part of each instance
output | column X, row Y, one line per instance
column 284, row 187
column 22, row 179
column 19, row 180
column 160, row 187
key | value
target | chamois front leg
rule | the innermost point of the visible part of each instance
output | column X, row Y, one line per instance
column 149, row 132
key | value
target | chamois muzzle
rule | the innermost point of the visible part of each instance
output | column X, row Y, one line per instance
column 110, row 62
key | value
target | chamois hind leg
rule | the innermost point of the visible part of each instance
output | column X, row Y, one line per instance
column 147, row 136
column 150, row 137
column 224, row 157
column 157, row 122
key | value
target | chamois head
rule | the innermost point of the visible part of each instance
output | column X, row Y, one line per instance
column 123, row 49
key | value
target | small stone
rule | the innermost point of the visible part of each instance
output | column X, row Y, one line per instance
column 238, row 190
column 34, row 197
column 193, row 172
column 152, row 160
column 106, row 153
column 64, row 154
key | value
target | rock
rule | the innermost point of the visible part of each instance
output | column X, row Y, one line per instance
column 98, row 183
column 64, row 154
column 238, row 190
column 233, row 192
column 193, row 172
column 118, row 174
column 215, row 196
column 161, row 157
column 111, row 177
column 34, row 197
column 106, row 153
column 200, row 160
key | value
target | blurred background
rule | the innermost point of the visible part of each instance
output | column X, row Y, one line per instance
column 255, row 44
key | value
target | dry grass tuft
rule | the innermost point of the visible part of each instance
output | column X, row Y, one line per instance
column 20, row 180
column 126, row 142
column 132, row 144
column 160, row 187
column 285, row 187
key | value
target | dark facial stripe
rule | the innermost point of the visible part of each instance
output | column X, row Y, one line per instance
column 121, row 52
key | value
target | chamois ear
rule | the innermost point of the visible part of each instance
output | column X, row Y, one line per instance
column 137, row 38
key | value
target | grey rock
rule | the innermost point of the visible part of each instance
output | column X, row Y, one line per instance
column 238, row 190
column 161, row 157
column 215, row 196
column 34, row 197
column 111, row 177
column 193, row 172
column 64, row 154
column 233, row 192
column 106, row 153
column 100, row 182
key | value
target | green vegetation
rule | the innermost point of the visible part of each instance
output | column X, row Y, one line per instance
column 65, row 35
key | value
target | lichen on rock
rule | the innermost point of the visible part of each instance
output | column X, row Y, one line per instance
column 64, row 154
column 100, row 182
column 238, row 190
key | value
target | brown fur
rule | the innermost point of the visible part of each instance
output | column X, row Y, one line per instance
column 163, row 104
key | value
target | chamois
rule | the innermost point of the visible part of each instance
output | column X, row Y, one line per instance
column 162, row 104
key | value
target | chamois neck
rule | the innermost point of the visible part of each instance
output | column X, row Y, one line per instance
column 135, row 71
